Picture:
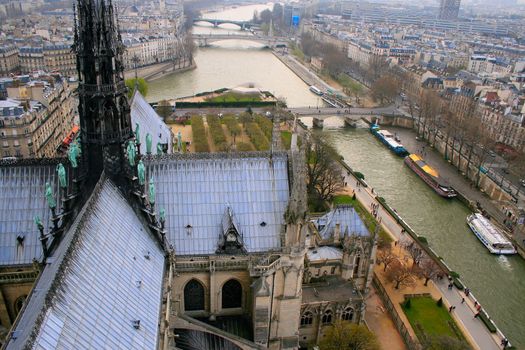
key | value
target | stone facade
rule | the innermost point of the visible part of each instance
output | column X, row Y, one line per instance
column 36, row 118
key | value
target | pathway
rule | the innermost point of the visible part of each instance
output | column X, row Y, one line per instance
column 379, row 322
column 481, row 337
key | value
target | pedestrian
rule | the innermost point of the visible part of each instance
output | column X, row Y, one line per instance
column 505, row 343
column 450, row 308
column 478, row 308
column 462, row 300
column 475, row 303
column 476, row 315
column 467, row 292
column 450, row 286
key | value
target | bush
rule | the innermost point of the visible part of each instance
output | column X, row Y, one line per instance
column 359, row 175
column 407, row 304
column 439, row 302
column 259, row 141
column 217, row 134
column 423, row 240
column 485, row 318
column 232, row 124
column 454, row 274
column 199, row 135
column 458, row 284
column 266, row 125
column 244, row 147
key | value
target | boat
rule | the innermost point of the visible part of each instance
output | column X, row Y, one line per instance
column 429, row 175
column 316, row 91
column 491, row 237
column 389, row 140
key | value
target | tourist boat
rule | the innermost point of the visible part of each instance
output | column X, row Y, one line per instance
column 316, row 91
column 430, row 176
column 489, row 235
column 389, row 140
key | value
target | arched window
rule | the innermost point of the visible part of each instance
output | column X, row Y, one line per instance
column 357, row 262
column 231, row 294
column 307, row 318
column 327, row 317
column 19, row 302
column 348, row 314
column 193, row 296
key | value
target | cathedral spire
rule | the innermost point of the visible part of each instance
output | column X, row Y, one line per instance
column 103, row 105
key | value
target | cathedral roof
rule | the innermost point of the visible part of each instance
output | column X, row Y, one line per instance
column 324, row 253
column 93, row 293
column 196, row 190
column 150, row 123
column 22, row 188
column 349, row 223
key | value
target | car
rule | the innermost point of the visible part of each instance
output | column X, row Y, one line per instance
column 492, row 153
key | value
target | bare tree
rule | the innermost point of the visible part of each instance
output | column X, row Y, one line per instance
column 415, row 252
column 386, row 255
column 325, row 177
column 385, row 89
column 428, row 269
column 400, row 274
column 430, row 106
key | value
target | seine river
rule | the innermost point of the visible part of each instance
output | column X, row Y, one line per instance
column 497, row 282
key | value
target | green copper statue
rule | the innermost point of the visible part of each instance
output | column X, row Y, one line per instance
column 38, row 222
column 72, row 154
column 137, row 132
column 160, row 151
column 151, row 191
column 49, row 196
column 141, row 169
column 149, row 143
column 62, row 175
column 132, row 153
column 179, row 137
column 162, row 215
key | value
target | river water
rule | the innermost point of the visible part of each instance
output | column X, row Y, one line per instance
column 497, row 282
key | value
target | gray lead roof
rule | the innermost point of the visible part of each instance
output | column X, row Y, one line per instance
column 196, row 190
column 22, row 189
column 349, row 223
column 106, row 274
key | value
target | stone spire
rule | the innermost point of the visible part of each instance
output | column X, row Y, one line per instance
column 103, row 105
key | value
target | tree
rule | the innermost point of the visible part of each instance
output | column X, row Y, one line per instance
column 428, row 269
column 385, row 89
column 386, row 255
column 265, row 16
column 164, row 109
column 325, row 177
column 415, row 252
column 400, row 274
column 344, row 335
column 142, row 86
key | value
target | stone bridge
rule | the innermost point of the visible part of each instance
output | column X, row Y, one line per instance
column 217, row 22
column 268, row 41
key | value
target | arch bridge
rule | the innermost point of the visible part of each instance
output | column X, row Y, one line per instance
column 217, row 22
column 268, row 41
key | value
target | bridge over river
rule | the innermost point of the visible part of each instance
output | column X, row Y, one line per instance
column 269, row 41
column 217, row 22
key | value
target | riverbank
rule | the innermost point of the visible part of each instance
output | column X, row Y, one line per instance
column 158, row 70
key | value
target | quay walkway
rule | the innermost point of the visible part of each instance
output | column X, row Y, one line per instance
column 464, row 313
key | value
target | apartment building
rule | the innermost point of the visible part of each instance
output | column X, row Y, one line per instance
column 9, row 62
column 60, row 58
column 36, row 117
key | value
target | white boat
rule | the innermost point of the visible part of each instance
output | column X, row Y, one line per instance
column 316, row 91
column 489, row 235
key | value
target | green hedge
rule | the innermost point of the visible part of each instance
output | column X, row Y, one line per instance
column 244, row 147
column 458, row 284
column 199, row 135
column 485, row 318
column 266, row 125
column 232, row 104
column 217, row 133
column 259, row 141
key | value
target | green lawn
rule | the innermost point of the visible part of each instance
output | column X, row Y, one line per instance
column 428, row 318
column 286, row 137
column 367, row 218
